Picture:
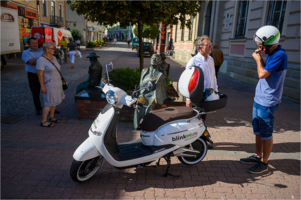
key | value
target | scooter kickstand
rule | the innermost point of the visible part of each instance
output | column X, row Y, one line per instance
column 158, row 163
column 167, row 158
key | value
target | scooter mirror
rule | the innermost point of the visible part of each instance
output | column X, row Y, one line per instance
column 111, row 65
column 148, row 86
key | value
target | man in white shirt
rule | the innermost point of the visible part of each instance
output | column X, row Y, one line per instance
column 203, row 60
column 78, row 43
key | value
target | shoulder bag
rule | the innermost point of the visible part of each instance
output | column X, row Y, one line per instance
column 65, row 86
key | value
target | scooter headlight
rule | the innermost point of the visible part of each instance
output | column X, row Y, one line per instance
column 111, row 97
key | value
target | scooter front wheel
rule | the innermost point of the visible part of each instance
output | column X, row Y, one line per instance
column 84, row 170
column 199, row 145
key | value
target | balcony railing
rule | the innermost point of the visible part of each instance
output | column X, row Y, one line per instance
column 56, row 21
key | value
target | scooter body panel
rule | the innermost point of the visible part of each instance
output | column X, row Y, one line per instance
column 137, row 161
column 86, row 151
column 99, row 127
column 180, row 133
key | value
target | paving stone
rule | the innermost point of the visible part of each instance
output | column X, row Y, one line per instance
column 35, row 161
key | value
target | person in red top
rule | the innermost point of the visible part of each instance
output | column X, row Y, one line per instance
column 41, row 41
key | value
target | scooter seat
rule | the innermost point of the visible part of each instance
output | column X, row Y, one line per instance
column 156, row 118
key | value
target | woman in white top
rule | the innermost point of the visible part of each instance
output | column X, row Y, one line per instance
column 51, row 83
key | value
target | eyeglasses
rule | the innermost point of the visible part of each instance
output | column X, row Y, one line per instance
column 208, row 45
column 51, row 48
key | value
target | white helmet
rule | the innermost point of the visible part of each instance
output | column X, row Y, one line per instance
column 267, row 35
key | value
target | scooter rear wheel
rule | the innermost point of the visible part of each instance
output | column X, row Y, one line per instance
column 84, row 170
column 199, row 145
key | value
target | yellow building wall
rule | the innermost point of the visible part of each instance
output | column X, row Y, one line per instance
column 47, row 18
column 32, row 4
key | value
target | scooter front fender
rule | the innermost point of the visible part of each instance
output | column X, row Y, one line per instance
column 86, row 151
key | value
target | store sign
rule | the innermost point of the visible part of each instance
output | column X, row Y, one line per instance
column 21, row 11
column 11, row 6
column 31, row 14
column 163, row 33
column 6, row 17
column 48, row 34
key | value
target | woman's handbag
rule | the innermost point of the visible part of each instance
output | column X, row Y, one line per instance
column 64, row 85
column 77, row 53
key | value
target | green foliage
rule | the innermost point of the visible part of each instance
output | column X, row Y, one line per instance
column 149, row 13
column 125, row 79
column 148, row 31
column 75, row 34
column 92, row 45
column 144, row 12
column 168, row 83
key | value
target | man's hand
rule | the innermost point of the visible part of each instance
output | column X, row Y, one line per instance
column 43, row 89
column 257, row 55
column 32, row 61
column 188, row 103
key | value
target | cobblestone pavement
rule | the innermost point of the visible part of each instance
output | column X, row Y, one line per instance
column 35, row 161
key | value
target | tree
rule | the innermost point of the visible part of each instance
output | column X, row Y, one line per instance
column 148, row 31
column 137, row 12
column 75, row 34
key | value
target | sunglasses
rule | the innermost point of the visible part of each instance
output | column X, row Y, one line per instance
column 208, row 45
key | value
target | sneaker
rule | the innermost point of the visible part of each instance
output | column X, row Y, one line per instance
column 259, row 168
column 250, row 160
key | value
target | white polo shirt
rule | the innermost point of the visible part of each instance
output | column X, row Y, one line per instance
column 208, row 70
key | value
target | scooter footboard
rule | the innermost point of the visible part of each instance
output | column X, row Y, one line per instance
column 86, row 151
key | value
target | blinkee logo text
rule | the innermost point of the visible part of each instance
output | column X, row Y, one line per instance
column 187, row 136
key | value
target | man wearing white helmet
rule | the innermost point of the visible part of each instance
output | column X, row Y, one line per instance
column 203, row 60
column 268, row 94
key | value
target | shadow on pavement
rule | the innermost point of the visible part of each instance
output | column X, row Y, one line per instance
column 287, row 147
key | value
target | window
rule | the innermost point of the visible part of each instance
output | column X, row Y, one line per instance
column 44, row 8
column 182, row 34
column 52, row 8
column 176, row 33
column 276, row 14
column 61, row 11
column 242, row 19
column 190, row 30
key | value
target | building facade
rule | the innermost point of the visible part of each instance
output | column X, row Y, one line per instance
column 241, row 21
column 95, row 31
column 53, row 13
column 119, row 33
column 89, row 31
column 233, row 24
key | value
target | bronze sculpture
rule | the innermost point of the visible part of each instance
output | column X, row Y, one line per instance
column 155, row 97
column 165, row 65
column 95, row 73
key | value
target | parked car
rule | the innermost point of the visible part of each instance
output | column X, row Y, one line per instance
column 148, row 49
column 135, row 43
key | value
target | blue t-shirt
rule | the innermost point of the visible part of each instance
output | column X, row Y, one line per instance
column 29, row 54
column 269, row 90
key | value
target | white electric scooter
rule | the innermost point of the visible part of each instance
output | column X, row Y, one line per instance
column 173, row 131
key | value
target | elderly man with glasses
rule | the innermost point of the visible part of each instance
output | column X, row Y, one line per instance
column 203, row 60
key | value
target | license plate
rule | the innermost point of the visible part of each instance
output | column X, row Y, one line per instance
column 146, row 52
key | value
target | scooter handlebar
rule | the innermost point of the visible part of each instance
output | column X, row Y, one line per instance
column 140, row 104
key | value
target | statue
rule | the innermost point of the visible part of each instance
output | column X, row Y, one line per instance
column 95, row 73
column 165, row 65
column 155, row 97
